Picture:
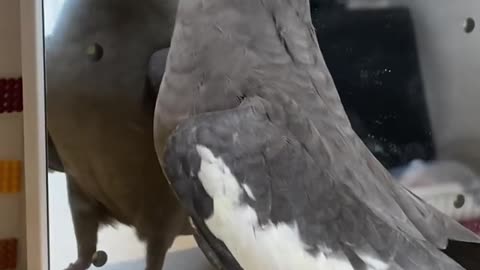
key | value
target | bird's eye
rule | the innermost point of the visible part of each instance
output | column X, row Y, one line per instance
column 94, row 52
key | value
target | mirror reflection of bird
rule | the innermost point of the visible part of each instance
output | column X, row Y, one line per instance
column 104, row 64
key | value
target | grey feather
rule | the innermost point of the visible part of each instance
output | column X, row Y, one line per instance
column 247, row 80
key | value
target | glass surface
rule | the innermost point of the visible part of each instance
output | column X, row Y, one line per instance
column 406, row 71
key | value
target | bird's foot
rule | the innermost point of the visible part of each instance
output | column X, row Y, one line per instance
column 79, row 265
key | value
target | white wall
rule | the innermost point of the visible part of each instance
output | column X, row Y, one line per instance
column 450, row 62
column 11, row 125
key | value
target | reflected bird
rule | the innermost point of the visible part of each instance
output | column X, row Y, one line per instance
column 104, row 64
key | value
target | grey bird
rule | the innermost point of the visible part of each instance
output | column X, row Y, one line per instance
column 104, row 64
column 253, row 138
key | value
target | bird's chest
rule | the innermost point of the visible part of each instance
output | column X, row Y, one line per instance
column 95, row 101
column 96, row 67
column 103, row 56
column 96, row 78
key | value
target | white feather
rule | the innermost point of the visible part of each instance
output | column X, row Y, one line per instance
column 255, row 247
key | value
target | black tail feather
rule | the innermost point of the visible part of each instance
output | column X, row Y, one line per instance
column 466, row 254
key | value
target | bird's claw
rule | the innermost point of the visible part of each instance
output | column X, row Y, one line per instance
column 78, row 265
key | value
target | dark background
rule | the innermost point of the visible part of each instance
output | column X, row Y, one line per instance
column 373, row 59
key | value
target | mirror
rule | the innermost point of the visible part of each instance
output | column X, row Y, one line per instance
column 406, row 72
column 93, row 50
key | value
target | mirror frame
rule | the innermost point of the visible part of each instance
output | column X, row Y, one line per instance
column 35, row 164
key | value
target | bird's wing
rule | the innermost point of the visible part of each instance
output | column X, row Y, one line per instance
column 338, row 197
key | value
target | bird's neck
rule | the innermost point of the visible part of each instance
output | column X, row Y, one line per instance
column 223, row 28
column 248, row 10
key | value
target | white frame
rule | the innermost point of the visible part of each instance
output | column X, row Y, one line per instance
column 35, row 162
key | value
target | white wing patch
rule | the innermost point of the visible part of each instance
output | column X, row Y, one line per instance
column 255, row 247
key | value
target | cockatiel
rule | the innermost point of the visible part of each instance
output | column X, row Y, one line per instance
column 104, row 64
column 253, row 137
